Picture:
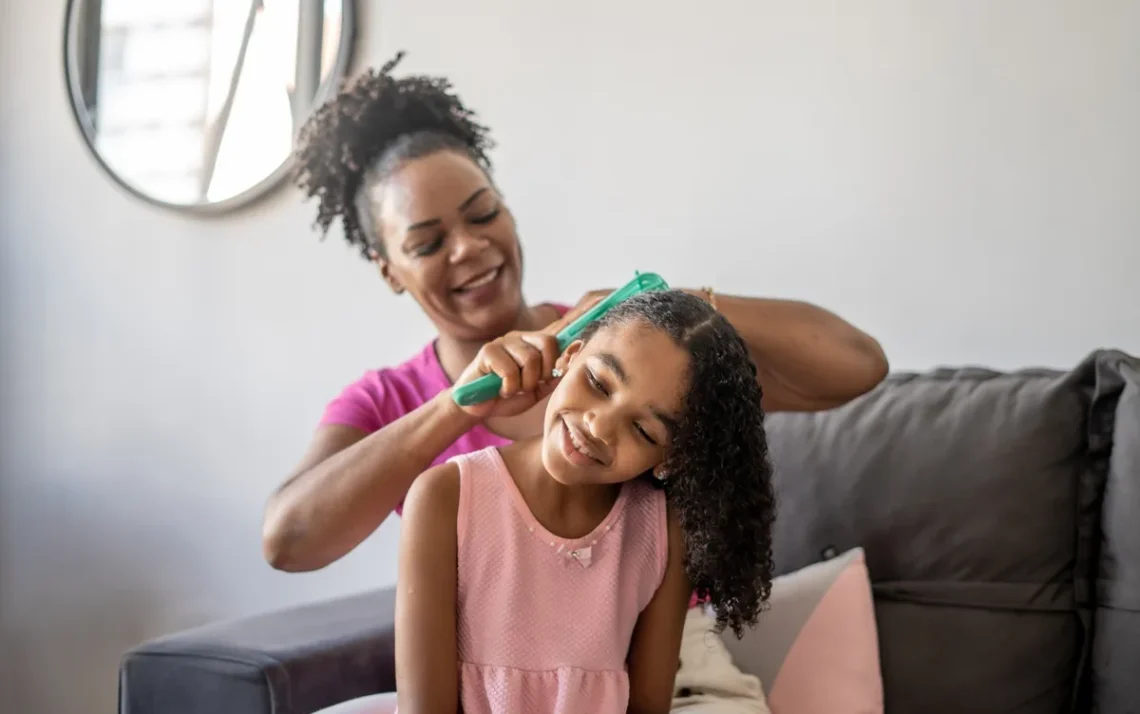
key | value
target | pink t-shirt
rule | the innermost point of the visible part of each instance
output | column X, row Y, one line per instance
column 382, row 396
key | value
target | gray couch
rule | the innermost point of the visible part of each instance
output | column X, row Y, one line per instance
column 1000, row 513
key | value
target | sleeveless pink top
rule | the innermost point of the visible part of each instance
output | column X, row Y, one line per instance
column 545, row 623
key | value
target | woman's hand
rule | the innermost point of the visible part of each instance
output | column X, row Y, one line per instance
column 594, row 297
column 525, row 362
column 586, row 302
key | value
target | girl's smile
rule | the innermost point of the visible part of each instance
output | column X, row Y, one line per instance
column 578, row 448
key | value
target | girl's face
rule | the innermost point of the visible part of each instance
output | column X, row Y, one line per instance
column 612, row 416
column 451, row 242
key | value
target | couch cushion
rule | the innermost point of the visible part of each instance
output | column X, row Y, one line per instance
column 969, row 490
column 815, row 649
column 1116, row 430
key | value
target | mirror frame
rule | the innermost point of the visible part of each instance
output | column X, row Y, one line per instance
column 337, row 73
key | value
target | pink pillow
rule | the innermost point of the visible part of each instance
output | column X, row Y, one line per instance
column 816, row 650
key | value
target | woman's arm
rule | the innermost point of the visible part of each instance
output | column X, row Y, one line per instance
column 427, row 670
column 656, row 648
column 807, row 358
column 348, row 482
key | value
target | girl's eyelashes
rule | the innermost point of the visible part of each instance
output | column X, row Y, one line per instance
column 645, row 435
column 596, row 383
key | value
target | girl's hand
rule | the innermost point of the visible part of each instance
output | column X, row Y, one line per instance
column 525, row 362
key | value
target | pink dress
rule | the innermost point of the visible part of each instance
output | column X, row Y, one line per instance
column 545, row 623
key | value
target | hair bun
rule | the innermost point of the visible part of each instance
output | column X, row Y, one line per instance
column 353, row 131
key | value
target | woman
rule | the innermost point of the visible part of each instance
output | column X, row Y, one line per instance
column 403, row 164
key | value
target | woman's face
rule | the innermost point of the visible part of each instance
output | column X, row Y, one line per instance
column 452, row 244
column 613, row 415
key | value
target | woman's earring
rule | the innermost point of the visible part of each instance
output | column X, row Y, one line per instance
column 556, row 373
column 660, row 476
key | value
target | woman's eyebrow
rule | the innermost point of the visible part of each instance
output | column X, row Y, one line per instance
column 433, row 222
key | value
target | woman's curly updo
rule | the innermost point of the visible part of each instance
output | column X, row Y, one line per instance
column 374, row 125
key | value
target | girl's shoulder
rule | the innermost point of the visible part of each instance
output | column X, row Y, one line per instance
column 643, row 492
column 465, row 488
column 487, row 459
column 434, row 495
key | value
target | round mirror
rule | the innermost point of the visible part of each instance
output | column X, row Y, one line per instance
column 194, row 104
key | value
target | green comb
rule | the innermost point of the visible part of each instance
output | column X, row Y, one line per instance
column 487, row 387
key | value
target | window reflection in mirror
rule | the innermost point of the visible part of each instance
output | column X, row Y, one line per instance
column 196, row 102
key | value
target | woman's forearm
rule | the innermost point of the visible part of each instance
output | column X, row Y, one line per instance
column 808, row 357
column 328, row 508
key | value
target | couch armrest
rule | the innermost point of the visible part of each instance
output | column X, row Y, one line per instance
column 292, row 661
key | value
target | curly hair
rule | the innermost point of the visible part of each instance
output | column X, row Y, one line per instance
column 718, row 472
column 375, row 124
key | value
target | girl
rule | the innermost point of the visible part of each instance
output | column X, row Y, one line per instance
column 553, row 575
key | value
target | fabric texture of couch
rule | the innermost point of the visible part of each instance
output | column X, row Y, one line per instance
column 997, row 512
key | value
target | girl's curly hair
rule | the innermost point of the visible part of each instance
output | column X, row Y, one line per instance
column 371, row 127
column 718, row 473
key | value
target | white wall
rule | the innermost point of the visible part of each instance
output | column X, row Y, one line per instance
column 961, row 179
